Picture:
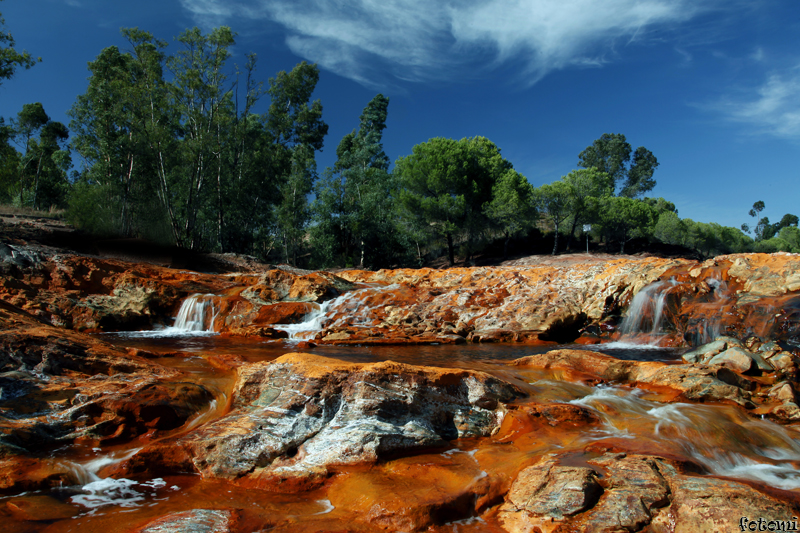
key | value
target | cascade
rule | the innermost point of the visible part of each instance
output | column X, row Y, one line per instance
column 698, row 318
column 352, row 308
column 197, row 313
column 195, row 318
column 647, row 309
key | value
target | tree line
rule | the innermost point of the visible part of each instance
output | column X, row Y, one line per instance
column 169, row 147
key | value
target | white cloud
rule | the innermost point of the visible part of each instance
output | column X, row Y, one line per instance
column 772, row 108
column 377, row 41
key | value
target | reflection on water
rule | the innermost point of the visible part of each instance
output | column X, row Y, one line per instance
column 446, row 355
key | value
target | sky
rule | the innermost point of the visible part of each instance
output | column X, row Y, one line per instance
column 711, row 87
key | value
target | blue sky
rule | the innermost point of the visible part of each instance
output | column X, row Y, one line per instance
column 711, row 87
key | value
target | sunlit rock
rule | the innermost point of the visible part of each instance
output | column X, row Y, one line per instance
column 300, row 414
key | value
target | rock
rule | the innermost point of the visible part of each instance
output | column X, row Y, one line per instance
column 737, row 359
column 557, row 414
column 705, row 352
column 695, row 383
column 635, row 493
column 299, row 414
column 544, row 495
column 634, row 490
column 782, row 361
column 194, row 521
column 708, row 505
column 446, row 489
column 783, row 392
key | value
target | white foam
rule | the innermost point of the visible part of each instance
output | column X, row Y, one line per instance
column 109, row 492
column 328, row 507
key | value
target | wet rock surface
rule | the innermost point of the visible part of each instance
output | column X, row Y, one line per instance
column 295, row 417
column 619, row 492
column 371, row 445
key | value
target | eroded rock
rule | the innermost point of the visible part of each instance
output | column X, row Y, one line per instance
column 294, row 417
column 619, row 492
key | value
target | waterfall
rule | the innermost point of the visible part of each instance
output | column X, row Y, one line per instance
column 197, row 313
column 195, row 318
column 647, row 309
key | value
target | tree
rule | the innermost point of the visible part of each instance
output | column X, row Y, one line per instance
column 445, row 183
column 9, row 163
column 763, row 229
column 297, row 130
column 42, row 170
column 611, row 154
column 670, row 229
column 554, row 200
column 512, row 206
column 585, row 184
column 293, row 211
column 624, row 219
column 354, row 199
column 10, row 59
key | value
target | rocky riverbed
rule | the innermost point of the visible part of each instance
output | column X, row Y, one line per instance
column 290, row 425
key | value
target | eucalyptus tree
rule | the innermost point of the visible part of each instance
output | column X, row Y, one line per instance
column 115, row 127
column 9, row 162
column 44, row 162
column 296, row 129
column 353, row 210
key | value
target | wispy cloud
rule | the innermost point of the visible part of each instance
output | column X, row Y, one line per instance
column 772, row 108
column 382, row 41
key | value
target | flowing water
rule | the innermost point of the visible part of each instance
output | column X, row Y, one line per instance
column 722, row 439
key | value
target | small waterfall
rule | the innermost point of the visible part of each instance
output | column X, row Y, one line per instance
column 197, row 313
column 647, row 309
column 352, row 308
column 195, row 318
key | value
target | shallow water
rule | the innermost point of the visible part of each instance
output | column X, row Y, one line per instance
column 722, row 439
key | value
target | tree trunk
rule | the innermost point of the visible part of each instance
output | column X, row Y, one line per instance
column 505, row 246
column 450, row 254
column 555, row 241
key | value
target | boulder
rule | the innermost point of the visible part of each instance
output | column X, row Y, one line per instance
column 544, row 495
column 619, row 492
column 737, row 359
column 294, row 417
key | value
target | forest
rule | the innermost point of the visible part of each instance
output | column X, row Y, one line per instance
column 165, row 145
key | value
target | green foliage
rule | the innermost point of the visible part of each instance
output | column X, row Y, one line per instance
column 670, row 229
column 40, row 178
column 611, row 154
column 512, row 207
column 354, row 210
column 555, row 201
column 624, row 219
column 184, row 153
column 10, row 59
column 445, row 183
column 763, row 230
column 585, row 184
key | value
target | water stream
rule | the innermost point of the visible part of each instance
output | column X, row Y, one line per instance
column 723, row 440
